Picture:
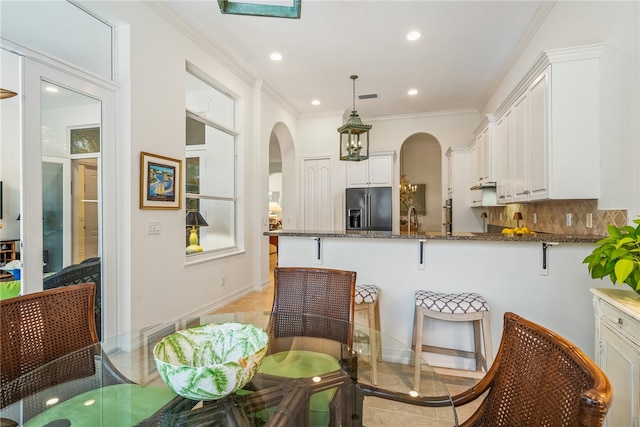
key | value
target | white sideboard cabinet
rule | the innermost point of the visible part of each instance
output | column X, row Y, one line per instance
column 617, row 313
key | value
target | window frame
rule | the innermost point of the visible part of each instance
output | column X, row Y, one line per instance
column 235, row 247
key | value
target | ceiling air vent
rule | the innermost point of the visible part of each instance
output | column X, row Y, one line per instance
column 368, row 96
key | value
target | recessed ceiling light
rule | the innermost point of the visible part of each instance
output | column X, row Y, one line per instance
column 413, row 91
column 413, row 35
column 275, row 56
column 315, row 102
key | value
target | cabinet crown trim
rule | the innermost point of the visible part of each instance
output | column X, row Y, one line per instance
column 486, row 120
column 546, row 58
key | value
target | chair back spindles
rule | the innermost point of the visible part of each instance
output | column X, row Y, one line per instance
column 313, row 302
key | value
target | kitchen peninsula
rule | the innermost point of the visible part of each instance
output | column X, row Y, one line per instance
column 540, row 277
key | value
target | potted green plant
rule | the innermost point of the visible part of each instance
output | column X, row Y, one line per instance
column 618, row 256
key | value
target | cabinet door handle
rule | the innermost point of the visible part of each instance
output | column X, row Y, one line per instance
column 619, row 320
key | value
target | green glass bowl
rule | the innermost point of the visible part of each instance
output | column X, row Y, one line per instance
column 211, row 361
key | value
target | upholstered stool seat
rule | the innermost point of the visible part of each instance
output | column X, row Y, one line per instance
column 366, row 302
column 455, row 307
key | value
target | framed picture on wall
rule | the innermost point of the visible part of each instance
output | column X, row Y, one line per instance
column 160, row 182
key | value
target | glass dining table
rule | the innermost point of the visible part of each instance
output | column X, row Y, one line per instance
column 268, row 400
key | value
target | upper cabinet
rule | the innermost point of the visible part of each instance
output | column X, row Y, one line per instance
column 547, row 131
column 484, row 152
column 504, row 159
column 376, row 171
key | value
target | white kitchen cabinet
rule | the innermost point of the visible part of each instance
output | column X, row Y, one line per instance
column 504, row 159
column 484, row 151
column 460, row 177
column 538, row 117
column 617, row 313
column 554, row 120
column 520, row 146
column 376, row 171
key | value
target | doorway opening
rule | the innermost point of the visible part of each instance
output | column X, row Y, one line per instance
column 421, row 165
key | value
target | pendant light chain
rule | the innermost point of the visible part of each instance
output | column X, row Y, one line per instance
column 354, row 77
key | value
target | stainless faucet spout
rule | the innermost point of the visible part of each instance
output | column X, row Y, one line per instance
column 412, row 210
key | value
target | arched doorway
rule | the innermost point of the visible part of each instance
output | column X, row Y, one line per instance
column 281, row 183
column 421, row 165
column 275, row 197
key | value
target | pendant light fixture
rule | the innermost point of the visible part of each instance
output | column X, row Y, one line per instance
column 354, row 135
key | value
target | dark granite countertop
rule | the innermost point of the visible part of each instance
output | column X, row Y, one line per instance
column 433, row 235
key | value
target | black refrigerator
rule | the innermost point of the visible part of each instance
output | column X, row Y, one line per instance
column 369, row 209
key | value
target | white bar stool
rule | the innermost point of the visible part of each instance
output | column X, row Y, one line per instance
column 366, row 301
column 462, row 307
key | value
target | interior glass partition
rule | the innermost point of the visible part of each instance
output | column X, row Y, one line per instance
column 70, row 201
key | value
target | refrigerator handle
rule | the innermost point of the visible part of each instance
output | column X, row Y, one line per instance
column 368, row 209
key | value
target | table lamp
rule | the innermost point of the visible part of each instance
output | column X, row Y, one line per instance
column 517, row 216
column 195, row 220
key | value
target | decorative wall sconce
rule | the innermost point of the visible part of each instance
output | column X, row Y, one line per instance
column 353, row 133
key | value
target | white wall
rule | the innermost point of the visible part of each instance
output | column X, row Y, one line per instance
column 10, row 146
column 616, row 24
column 154, row 276
column 154, row 281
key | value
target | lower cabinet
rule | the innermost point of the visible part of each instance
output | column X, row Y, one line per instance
column 618, row 351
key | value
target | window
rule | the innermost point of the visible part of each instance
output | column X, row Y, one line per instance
column 211, row 163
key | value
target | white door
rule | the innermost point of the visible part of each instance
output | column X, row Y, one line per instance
column 317, row 194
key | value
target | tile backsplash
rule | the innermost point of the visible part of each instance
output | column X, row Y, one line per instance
column 551, row 216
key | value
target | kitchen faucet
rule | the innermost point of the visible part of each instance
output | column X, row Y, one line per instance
column 415, row 219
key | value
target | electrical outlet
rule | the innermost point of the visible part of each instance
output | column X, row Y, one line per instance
column 569, row 220
column 589, row 221
column 500, row 216
column 153, row 227
column 535, row 218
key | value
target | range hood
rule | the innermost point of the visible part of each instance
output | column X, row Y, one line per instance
column 483, row 185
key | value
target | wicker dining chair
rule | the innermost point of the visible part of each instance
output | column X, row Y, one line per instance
column 87, row 271
column 318, row 304
column 538, row 379
column 56, row 328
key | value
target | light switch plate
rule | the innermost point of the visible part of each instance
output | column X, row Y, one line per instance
column 153, row 227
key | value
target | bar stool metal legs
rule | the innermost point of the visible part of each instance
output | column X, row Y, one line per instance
column 463, row 307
